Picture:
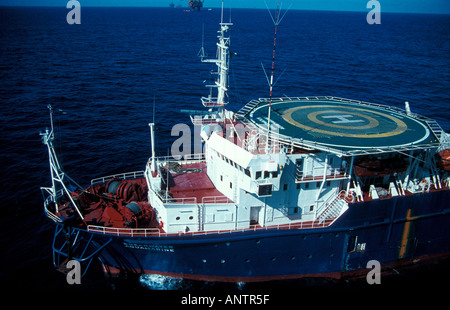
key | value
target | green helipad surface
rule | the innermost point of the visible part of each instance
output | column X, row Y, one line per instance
column 343, row 125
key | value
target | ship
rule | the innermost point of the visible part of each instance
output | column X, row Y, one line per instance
column 284, row 188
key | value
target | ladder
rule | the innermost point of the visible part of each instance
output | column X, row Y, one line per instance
column 247, row 108
column 200, row 216
column 435, row 128
column 333, row 209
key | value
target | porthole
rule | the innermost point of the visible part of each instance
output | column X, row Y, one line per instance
column 177, row 218
column 191, row 217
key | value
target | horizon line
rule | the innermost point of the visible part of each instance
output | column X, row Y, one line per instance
column 213, row 7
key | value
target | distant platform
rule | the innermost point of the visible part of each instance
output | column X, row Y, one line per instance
column 343, row 124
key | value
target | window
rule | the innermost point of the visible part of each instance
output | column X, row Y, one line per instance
column 311, row 208
column 221, row 178
column 231, row 185
column 351, row 246
column 318, row 184
column 247, row 172
column 285, row 187
column 258, row 175
column 265, row 190
column 266, row 174
column 306, row 185
column 274, row 174
column 298, row 185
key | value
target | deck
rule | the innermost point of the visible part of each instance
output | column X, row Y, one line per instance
column 344, row 125
column 189, row 183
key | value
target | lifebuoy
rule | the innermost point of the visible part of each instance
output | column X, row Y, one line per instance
column 349, row 198
column 423, row 184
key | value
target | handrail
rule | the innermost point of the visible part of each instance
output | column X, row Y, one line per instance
column 187, row 158
column 156, row 232
column 120, row 176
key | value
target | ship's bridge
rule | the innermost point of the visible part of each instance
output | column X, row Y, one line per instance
column 343, row 126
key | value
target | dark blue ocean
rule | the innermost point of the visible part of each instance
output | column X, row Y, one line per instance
column 105, row 74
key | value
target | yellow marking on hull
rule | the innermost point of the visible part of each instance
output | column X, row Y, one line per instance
column 405, row 236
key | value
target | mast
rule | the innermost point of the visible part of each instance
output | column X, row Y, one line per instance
column 222, row 61
column 276, row 22
column 58, row 176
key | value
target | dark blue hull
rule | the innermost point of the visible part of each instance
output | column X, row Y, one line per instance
column 393, row 231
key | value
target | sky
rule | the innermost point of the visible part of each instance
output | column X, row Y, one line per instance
column 398, row 6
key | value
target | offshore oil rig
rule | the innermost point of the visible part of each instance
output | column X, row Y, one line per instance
column 195, row 5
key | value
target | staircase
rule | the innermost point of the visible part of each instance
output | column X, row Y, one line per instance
column 247, row 108
column 434, row 126
column 332, row 209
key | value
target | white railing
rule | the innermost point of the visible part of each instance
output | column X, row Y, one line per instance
column 187, row 158
column 156, row 232
column 193, row 200
column 132, row 232
column 121, row 176
column 50, row 214
column 216, row 199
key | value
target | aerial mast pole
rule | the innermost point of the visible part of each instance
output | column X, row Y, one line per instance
column 222, row 61
column 276, row 22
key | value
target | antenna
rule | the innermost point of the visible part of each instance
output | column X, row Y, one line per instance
column 276, row 21
column 152, row 137
column 201, row 53
column 221, row 14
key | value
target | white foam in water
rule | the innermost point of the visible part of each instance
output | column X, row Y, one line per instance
column 240, row 285
column 160, row 283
